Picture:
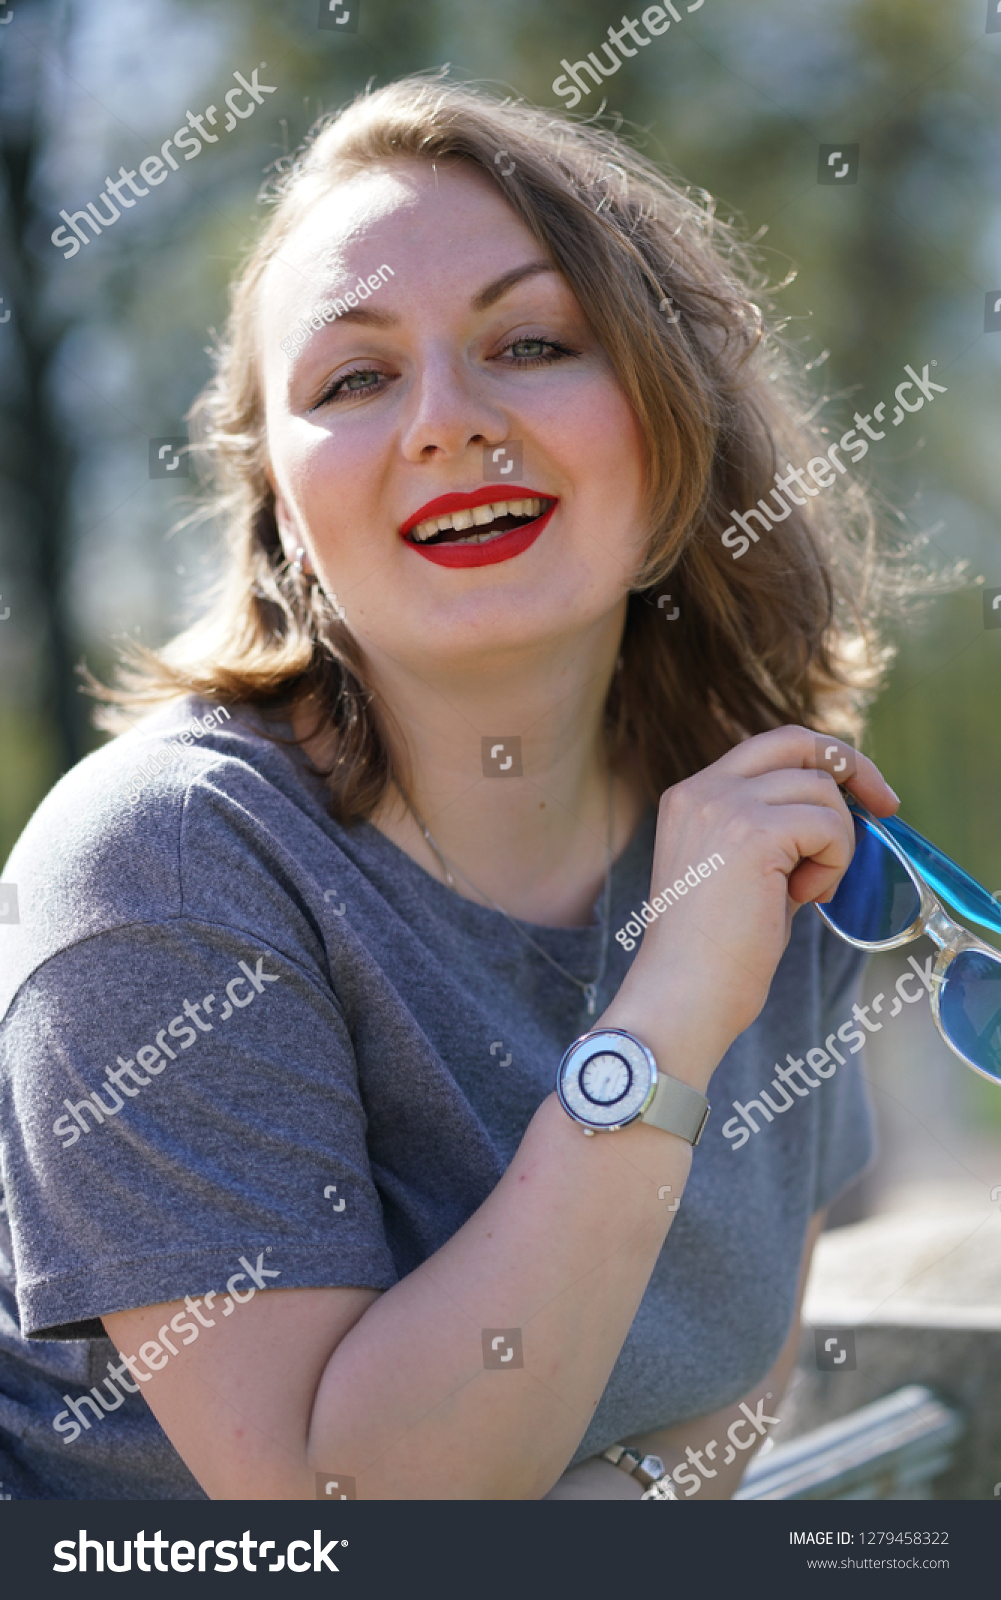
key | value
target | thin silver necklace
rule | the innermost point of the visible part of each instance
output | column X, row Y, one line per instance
column 589, row 990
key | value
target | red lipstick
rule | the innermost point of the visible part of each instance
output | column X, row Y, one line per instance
column 502, row 548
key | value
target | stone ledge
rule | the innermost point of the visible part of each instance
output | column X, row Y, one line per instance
column 928, row 1269
column 922, row 1293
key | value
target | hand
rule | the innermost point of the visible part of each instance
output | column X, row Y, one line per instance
column 775, row 834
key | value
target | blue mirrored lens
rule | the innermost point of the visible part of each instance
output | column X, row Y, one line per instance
column 876, row 899
column 970, row 1008
column 963, row 893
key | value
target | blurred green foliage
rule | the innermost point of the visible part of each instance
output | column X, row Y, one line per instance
column 891, row 270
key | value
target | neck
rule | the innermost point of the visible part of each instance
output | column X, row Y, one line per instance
column 535, row 844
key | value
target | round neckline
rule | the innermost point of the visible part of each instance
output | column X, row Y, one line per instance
column 486, row 915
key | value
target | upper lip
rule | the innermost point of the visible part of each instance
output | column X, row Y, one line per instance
column 489, row 494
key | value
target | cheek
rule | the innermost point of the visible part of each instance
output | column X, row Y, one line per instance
column 604, row 441
column 324, row 478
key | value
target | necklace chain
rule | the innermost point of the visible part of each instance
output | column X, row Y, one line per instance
column 589, row 990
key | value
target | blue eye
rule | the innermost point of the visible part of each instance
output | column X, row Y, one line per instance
column 545, row 352
column 346, row 385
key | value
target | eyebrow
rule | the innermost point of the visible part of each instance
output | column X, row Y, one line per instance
column 367, row 316
column 500, row 286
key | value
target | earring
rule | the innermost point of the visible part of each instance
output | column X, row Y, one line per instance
column 300, row 570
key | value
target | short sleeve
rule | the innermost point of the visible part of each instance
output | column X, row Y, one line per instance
column 846, row 1134
column 182, row 1106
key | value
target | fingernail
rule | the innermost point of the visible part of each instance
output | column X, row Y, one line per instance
column 893, row 792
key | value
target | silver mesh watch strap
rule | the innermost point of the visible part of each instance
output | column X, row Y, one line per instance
column 677, row 1108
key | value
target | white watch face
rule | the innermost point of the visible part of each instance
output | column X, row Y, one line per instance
column 607, row 1079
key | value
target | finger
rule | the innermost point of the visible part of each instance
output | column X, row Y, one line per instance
column 795, row 746
column 812, row 883
column 806, row 833
column 802, row 787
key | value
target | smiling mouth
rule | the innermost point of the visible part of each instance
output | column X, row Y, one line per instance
column 480, row 524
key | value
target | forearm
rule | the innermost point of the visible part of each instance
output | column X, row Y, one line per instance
column 677, row 1445
column 562, row 1250
column 596, row 1479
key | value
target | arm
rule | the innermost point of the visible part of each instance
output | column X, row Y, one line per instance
column 596, row 1479
column 392, row 1389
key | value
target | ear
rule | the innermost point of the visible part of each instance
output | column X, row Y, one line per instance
column 293, row 544
column 287, row 531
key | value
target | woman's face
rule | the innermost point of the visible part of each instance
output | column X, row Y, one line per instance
column 468, row 344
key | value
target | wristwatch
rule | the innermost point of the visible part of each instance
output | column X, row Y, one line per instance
column 649, row 1471
column 608, row 1079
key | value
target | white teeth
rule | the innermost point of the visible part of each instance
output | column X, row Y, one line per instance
column 479, row 516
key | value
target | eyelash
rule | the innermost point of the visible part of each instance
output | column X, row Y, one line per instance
column 336, row 393
column 541, row 361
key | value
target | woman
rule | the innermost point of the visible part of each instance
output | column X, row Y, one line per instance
column 494, row 688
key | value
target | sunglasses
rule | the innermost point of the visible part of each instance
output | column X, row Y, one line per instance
column 889, row 896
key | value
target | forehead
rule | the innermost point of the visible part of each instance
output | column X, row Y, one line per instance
column 407, row 204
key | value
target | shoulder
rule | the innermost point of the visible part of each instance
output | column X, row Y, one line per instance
column 160, row 823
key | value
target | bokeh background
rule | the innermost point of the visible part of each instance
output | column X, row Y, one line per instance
column 103, row 352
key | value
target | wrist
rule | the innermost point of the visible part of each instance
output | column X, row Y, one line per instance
column 683, row 1047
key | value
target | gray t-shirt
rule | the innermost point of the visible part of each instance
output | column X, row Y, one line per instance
column 306, row 1056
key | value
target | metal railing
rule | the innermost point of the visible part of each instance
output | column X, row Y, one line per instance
column 890, row 1450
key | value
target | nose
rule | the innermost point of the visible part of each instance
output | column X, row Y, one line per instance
column 448, row 412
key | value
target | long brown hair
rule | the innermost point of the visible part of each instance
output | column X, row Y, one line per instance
column 683, row 310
